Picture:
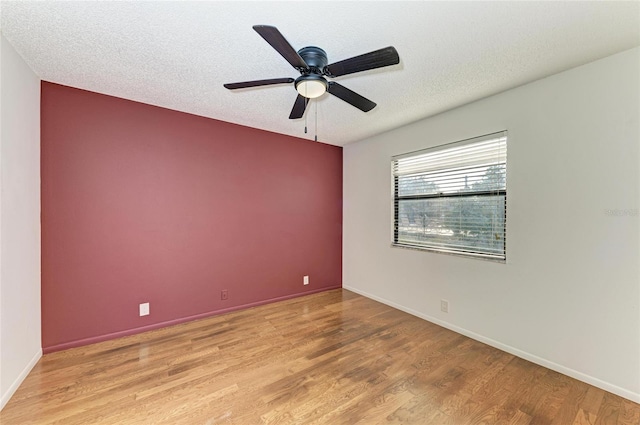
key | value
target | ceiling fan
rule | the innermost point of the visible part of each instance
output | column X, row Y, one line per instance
column 311, row 62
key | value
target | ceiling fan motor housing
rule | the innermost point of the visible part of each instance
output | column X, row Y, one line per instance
column 315, row 58
column 311, row 83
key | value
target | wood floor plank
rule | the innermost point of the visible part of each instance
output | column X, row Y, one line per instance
column 584, row 418
column 571, row 404
column 609, row 410
column 329, row 358
column 629, row 414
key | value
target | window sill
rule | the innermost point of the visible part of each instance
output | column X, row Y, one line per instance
column 453, row 253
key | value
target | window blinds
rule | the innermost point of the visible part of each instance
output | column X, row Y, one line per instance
column 453, row 198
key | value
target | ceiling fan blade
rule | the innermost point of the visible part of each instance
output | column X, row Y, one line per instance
column 298, row 107
column 372, row 60
column 282, row 46
column 350, row 96
column 256, row 83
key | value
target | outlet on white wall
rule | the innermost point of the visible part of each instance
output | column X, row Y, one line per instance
column 144, row 309
column 305, row 280
column 444, row 306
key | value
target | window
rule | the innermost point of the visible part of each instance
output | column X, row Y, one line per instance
column 453, row 198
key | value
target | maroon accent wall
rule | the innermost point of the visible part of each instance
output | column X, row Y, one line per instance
column 145, row 204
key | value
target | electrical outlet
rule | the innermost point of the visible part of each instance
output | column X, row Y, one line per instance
column 224, row 294
column 305, row 280
column 444, row 306
column 144, row 309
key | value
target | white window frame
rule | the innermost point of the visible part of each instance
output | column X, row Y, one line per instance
column 447, row 165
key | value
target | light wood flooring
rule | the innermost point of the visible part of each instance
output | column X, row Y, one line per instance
column 328, row 358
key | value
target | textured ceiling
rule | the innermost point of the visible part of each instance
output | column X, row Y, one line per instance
column 178, row 54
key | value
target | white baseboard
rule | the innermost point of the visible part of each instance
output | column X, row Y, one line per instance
column 21, row 377
column 622, row 392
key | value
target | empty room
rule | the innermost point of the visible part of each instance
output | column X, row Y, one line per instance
column 320, row 212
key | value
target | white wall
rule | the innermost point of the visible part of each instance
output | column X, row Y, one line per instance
column 20, row 342
column 569, row 295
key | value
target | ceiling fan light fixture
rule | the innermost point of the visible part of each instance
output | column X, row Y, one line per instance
column 311, row 86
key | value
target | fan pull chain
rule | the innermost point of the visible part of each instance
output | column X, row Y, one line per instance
column 316, row 136
column 305, row 123
column 305, row 115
